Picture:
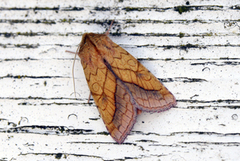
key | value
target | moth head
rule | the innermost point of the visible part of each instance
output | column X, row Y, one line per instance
column 82, row 42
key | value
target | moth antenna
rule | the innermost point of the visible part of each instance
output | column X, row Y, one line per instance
column 73, row 74
column 74, row 87
column 107, row 32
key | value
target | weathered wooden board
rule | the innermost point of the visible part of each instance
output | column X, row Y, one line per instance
column 193, row 47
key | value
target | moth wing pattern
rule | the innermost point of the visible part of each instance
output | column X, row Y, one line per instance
column 120, row 85
column 147, row 91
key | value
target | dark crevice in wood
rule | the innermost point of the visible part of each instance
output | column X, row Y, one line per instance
column 32, row 77
column 63, row 156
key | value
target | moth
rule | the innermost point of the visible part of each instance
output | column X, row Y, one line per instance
column 120, row 85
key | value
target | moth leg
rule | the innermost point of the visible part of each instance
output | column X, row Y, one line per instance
column 89, row 97
column 107, row 32
column 70, row 52
column 139, row 111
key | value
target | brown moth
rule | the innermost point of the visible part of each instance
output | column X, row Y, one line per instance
column 120, row 85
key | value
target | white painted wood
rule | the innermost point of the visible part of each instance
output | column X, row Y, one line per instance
column 195, row 54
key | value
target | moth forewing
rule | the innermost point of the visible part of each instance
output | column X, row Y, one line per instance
column 120, row 85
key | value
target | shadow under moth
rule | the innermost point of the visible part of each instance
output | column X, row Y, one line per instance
column 120, row 85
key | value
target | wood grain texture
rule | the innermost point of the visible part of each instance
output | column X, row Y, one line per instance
column 195, row 54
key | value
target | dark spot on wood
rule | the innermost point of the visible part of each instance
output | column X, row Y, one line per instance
column 181, row 9
column 58, row 155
